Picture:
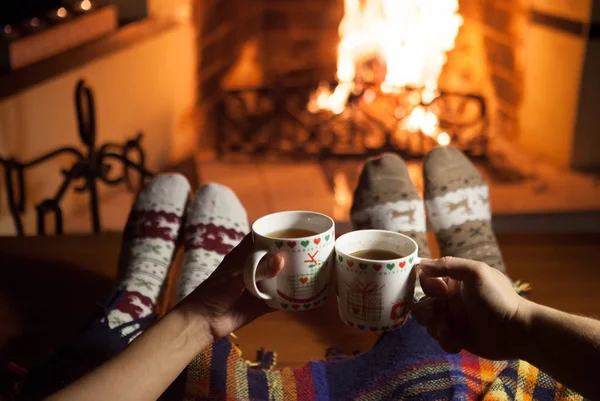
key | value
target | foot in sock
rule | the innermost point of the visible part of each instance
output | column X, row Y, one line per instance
column 215, row 223
column 149, row 245
column 386, row 199
column 458, row 207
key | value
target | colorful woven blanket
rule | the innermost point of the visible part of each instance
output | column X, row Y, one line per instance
column 404, row 364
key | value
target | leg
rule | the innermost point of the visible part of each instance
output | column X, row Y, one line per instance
column 216, row 222
column 149, row 244
column 457, row 200
column 386, row 199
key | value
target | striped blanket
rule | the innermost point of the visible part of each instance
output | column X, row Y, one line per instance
column 404, row 364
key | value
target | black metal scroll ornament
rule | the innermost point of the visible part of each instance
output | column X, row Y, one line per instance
column 91, row 165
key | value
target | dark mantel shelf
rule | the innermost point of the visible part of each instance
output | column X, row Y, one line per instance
column 12, row 82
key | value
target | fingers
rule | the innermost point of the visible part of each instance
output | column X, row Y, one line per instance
column 249, row 307
column 237, row 257
column 435, row 310
column 245, row 246
column 455, row 268
column 269, row 267
column 448, row 341
column 442, row 328
column 433, row 286
column 230, row 271
column 423, row 315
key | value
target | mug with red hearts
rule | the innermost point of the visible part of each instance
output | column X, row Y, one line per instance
column 375, row 276
column 306, row 242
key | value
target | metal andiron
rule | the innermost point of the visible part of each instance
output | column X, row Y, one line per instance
column 90, row 166
column 275, row 122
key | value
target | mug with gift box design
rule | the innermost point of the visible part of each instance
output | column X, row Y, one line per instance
column 306, row 241
column 376, row 275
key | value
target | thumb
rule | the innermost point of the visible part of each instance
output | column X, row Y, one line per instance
column 455, row 268
column 270, row 267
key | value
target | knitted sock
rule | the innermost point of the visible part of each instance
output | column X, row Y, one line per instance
column 149, row 245
column 215, row 223
column 458, row 207
column 386, row 199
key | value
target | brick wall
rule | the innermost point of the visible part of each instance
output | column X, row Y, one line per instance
column 505, row 22
column 497, row 29
column 223, row 27
column 300, row 39
column 295, row 39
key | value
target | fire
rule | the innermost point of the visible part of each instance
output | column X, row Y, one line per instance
column 394, row 44
column 443, row 139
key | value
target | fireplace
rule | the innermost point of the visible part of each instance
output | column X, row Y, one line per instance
column 511, row 82
column 383, row 94
column 265, row 64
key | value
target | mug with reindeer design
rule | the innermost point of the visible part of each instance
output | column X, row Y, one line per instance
column 375, row 276
column 306, row 241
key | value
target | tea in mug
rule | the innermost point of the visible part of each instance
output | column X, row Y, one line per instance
column 376, row 254
column 292, row 233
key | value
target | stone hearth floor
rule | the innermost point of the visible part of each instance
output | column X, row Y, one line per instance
column 328, row 187
column 555, row 200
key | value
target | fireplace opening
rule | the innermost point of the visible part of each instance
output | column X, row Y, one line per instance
column 354, row 78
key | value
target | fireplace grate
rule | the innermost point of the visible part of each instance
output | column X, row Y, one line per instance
column 273, row 122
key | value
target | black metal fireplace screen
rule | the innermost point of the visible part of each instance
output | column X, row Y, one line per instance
column 92, row 165
column 274, row 123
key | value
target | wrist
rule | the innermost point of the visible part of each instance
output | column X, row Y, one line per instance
column 197, row 328
column 522, row 327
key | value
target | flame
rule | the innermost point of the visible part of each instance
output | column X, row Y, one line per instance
column 86, row 5
column 443, row 139
column 409, row 37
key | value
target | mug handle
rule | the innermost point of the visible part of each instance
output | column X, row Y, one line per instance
column 250, row 274
column 424, row 301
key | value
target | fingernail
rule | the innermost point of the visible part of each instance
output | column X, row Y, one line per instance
column 426, row 261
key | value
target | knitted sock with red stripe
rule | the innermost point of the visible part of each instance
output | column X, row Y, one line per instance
column 215, row 223
column 150, row 241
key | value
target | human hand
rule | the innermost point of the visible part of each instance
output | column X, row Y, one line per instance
column 476, row 307
column 222, row 300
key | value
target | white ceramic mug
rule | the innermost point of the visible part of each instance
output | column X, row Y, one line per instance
column 306, row 278
column 376, row 295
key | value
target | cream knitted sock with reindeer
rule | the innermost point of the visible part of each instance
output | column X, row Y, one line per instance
column 458, row 207
column 149, row 243
column 215, row 223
